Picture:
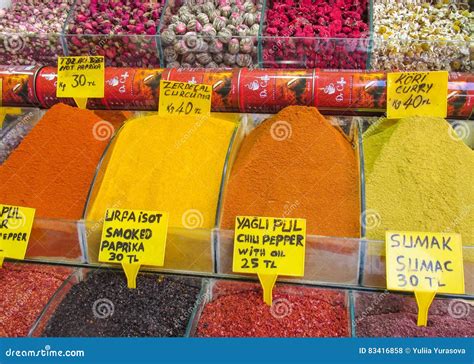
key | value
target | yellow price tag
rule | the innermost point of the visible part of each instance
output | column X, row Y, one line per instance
column 15, row 230
column 134, row 238
column 417, row 94
column 81, row 78
column 184, row 98
column 269, row 247
column 424, row 263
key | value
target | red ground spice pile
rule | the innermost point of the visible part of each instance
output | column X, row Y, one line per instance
column 238, row 310
column 323, row 19
column 53, row 167
column 26, row 289
column 391, row 315
column 296, row 164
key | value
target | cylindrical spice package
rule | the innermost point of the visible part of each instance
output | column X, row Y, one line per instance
column 263, row 91
column 224, row 85
column 244, row 90
column 18, row 85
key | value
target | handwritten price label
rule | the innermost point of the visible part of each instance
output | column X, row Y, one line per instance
column 134, row 236
column 417, row 94
column 418, row 261
column 182, row 98
column 15, row 229
column 269, row 245
column 81, row 77
column 426, row 264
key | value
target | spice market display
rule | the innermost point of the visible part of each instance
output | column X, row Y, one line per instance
column 214, row 110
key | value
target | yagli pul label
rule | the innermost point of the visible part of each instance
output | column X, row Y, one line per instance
column 269, row 245
column 417, row 94
column 15, row 229
column 134, row 237
column 426, row 262
column 184, row 98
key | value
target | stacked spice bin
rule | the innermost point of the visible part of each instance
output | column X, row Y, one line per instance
column 344, row 253
column 342, row 34
column 345, row 241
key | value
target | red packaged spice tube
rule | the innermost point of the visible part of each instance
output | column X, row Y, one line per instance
column 18, row 85
column 269, row 92
column 235, row 90
column 224, row 85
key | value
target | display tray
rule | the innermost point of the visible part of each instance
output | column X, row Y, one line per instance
column 360, row 35
column 357, row 261
column 96, row 302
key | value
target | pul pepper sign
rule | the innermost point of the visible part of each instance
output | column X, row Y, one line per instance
column 426, row 264
column 15, row 230
column 269, row 247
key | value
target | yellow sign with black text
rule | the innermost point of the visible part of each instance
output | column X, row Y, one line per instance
column 81, row 78
column 271, row 246
column 427, row 262
column 134, row 237
column 15, row 230
column 184, row 99
column 417, row 94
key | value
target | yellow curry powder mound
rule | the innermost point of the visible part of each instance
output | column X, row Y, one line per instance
column 419, row 177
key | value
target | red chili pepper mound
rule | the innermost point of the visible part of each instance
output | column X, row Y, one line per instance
column 238, row 310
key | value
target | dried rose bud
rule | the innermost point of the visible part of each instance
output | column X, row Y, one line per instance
column 168, row 36
column 233, row 46
column 224, row 35
column 170, row 54
column 190, row 40
column 244, row 60
column 189, row 58
column 180, row 47
column 246, row 45
column 229, row 59
column 203, row 58
column 208, row 32
column 202, row 18
column 180, row 28
column 219, row 23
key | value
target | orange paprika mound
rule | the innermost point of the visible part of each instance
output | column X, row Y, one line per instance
column 53, row 167
column 296, row 164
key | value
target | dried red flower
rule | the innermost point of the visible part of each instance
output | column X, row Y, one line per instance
column 321, row 23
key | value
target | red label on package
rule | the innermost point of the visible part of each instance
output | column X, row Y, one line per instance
column 333, row 89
